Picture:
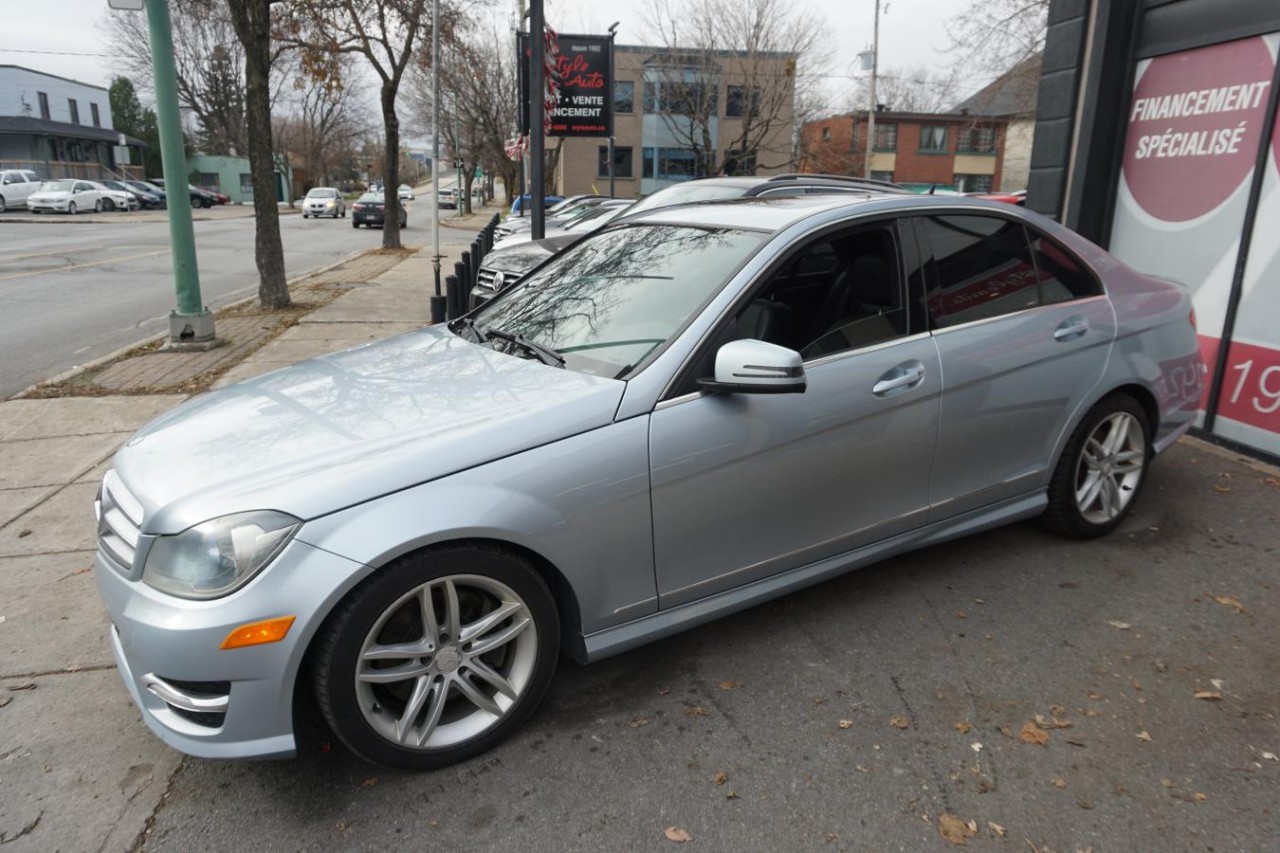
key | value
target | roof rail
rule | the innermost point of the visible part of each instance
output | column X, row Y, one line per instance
column 851, row 179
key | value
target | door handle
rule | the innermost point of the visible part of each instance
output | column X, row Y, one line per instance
column 1070, row 329
column 903, row 376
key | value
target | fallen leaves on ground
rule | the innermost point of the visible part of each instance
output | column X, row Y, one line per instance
column 23, row 685
column 720, row 778
column 1058, row 782
column 1270, row 756
column 954, row 830
column 845, row 724
column 1230, row 601
column 732, row 795
column 1200, row 798
column 1221, row 489
column 370, row 782
column 1123, row 626
column 997, row 829
column 676, row 834
column 730, row 685
column 1144, row 736
column 1055, row 722
column 900, row 722
column 964, row 727
column 639, row 721
column 1208, row 695
column 697, row 711
column 1031, row 733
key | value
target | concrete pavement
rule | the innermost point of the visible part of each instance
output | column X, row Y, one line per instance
column 851, row 716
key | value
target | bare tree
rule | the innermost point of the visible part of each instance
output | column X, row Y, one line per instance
column 730, row 79
column 916, row 89
column 385, row 33
column 478, row 109
column 993, row 36
column 252, row 20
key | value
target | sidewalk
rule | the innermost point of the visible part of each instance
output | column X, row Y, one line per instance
column 204, row 214
column 78, row 769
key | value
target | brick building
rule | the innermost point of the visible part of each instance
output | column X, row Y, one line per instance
column 950, row 150
column 663, row 100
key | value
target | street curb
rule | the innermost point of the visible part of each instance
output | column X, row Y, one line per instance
column 73, row 372
column 1259, row 465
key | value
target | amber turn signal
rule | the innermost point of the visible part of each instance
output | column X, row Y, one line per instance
column 259, row 633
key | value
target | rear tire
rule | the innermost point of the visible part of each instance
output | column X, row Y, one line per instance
column 438, row 657
column 1102, row 470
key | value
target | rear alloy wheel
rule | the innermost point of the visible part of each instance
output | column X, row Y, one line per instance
column 1102, row 470
column 437, row 658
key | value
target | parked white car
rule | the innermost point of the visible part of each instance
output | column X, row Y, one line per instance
column 323, row 201
column 73, row 196
column 114, row 198
column 16, row 186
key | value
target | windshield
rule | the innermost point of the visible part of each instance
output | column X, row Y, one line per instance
column 57, row 186
column 608, row 302
column 320, row 193
column 681, row 193
column 594, row 218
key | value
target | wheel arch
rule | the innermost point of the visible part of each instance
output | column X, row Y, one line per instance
column 1136, row 390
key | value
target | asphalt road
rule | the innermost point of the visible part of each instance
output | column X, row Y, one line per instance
column 854, row 715
column 73, row 291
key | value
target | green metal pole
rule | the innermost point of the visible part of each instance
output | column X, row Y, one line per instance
column 191, row 321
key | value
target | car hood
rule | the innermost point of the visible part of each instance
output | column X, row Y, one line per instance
column 335, row 431
column 520, row 257
column 51, row 195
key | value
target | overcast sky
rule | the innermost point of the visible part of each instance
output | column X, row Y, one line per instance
column 45, row 35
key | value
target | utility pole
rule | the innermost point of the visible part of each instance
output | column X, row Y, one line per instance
column 875, row 104
column 438, row 301
column 190, row 324
column 613, row 85
column 537, row 111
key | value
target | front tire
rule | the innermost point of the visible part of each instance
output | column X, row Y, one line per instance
column 71, row 209
column 438, row 657
column 3, row 208
column 1102, row 470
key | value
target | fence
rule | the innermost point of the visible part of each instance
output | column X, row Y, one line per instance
column 49, row 170
column 458, row 286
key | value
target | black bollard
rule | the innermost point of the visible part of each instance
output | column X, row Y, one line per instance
column 453, row 297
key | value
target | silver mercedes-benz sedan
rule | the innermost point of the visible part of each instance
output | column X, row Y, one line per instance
column 683, row 415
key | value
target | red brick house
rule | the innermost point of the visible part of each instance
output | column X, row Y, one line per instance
column 950, row 150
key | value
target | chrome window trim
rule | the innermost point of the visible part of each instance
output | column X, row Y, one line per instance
column 1020, row 313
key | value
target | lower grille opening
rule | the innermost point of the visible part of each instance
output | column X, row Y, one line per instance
column 209, row 688
column 209, row 721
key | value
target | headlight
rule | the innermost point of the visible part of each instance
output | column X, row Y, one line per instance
column 218, row 556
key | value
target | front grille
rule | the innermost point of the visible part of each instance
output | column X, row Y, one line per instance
column 119, row 520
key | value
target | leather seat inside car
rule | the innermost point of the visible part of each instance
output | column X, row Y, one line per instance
column 766, row 321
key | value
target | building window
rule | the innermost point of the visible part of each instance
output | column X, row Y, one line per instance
column 44, row 105
column 973, row 183
column 881, row 176
column 977, row 140
column 886, row 137
column 624, row 96
column 93, row 113
column 621, row 162
column 679, row 98
column 246, row 183
column 741, row 101
column 737, row 163
column 933, row 138
column 210, row 179
column 678, row 164
column 75, row 110
column 826, row 134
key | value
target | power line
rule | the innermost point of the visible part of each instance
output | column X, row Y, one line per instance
column 57, row 52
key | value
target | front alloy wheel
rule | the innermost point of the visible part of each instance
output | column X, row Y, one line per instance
column 1101, row 471
column 438, row 657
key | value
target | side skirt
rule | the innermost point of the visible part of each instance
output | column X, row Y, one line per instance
column 630, row 635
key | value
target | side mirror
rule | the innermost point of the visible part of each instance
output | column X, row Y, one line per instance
column 755, row 367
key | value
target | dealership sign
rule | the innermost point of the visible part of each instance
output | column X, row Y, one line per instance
column 582, row 89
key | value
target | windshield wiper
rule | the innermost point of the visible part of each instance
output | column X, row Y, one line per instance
column 544, row 354
column 467, row 324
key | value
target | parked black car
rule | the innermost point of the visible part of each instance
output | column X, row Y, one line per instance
column 148, row 188
column 198, row 197
column 147, row 200
column 371, row 209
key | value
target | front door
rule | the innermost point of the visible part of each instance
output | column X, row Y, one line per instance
column 749, row 485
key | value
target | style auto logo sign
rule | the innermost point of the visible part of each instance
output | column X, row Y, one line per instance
column 1194, row 127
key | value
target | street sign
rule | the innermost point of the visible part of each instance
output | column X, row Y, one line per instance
column 122, row 155
column 126, row 5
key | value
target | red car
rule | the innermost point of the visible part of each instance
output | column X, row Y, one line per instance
column 1018, row 197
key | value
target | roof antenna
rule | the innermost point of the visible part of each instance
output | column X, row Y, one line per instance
column 932, row 187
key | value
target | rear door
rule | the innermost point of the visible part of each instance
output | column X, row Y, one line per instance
column 1024, row 333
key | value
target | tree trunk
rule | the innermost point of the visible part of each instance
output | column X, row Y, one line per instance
column 252, row 22
column 391, row 168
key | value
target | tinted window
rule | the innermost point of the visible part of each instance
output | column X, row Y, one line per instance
column 982, row 268
column 839, row 293
column 1061, row 276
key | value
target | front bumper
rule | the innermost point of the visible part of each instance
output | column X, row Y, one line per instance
column 321, row 211
column 216, row 703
